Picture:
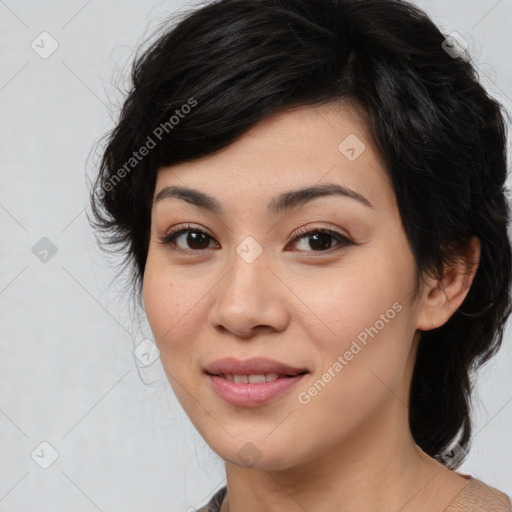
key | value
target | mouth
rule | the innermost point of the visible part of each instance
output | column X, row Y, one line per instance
column 256, row 368
column 260, row 378
column 248, row 393
column 252, row 382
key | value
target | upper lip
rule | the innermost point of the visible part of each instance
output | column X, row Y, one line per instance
column 253, row 366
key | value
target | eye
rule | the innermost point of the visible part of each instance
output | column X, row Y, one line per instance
column 320, row 239
column 195, row 237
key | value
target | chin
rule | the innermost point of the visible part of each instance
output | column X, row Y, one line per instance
column 251, row 453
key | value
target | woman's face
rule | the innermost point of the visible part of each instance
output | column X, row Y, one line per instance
column 337, row 304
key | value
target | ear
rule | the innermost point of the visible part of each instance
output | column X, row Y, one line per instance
column 441, row 297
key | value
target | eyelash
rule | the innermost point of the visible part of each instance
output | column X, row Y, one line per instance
column 342, row 240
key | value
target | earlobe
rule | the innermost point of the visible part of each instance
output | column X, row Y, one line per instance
column 441, row 297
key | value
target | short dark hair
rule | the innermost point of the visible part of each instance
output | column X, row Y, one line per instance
column 440, row 135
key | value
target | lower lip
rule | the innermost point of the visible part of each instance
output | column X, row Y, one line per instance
column 251, row 395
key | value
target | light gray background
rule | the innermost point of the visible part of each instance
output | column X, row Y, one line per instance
column 68, row 375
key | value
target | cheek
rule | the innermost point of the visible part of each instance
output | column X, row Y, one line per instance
column 362, row 363
column 156, row 302
column 176, row 301
column 169, row 307
column 340, row 305
column 364, row 316
column 172, row 317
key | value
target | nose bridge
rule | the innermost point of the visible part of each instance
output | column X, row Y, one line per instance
column 247, row 297
column 247, row 280
column 249, row 250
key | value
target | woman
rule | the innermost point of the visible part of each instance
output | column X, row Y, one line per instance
column 310, row 197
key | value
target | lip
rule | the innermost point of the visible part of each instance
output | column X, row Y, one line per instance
column 253, row 366
column 251, row 395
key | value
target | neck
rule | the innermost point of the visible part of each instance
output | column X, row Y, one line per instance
column 377, row 468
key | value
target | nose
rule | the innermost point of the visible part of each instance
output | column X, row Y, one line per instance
column 250, row 298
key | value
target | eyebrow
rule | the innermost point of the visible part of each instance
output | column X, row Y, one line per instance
column 281, row 203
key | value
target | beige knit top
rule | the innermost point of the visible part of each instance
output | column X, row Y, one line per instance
column 479, row 497
column 475, row 497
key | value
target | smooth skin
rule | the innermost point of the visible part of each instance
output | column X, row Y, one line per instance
column 302, row 301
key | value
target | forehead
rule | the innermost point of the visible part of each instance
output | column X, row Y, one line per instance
column 293, row 148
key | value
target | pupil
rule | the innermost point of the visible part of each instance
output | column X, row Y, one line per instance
column 192, row 238
column 323, row 237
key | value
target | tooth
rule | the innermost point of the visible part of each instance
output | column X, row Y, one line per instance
column 256, row 379
column 252, row 379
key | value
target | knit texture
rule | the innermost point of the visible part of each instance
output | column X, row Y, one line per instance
column 479, row 497
column 475, row 497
